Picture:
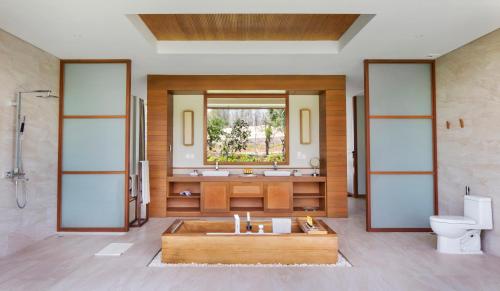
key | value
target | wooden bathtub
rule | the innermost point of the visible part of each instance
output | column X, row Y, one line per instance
column 214, row 242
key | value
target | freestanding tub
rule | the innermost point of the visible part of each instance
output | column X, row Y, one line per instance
column 214, row 242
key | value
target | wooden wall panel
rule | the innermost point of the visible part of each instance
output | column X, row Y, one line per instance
column 332, row 130
column 333, row 150
column 247, row 82
column 159, row 133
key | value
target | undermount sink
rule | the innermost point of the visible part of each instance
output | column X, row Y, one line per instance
column 276, row 173
column 215, row 173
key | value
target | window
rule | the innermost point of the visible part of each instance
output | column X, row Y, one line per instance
column 242, row 129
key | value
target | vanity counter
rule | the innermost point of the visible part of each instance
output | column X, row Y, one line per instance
column 240, row 178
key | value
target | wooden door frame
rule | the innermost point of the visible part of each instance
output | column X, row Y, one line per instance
column 368, row 117
column 125, row 172
column 355, row 190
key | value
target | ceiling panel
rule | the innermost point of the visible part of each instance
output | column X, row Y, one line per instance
column 237, row 27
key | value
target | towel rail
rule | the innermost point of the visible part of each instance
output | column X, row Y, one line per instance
column 138, row 220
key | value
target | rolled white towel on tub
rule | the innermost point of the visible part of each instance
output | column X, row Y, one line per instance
column 146, row 198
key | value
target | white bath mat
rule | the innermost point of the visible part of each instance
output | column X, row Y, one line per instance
column 341, row 262
column 114, row 249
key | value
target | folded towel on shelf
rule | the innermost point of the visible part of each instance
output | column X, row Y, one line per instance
column 282, row 225
column 146, row 198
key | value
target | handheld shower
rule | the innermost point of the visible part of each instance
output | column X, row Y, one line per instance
column 23, row 121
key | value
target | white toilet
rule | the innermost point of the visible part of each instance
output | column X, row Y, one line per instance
column 462, row 234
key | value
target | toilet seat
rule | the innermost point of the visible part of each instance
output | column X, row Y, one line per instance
column 452, row 219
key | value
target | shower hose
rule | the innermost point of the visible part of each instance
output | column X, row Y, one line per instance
column 21, row 194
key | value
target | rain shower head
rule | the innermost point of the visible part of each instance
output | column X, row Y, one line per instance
column 44, row 93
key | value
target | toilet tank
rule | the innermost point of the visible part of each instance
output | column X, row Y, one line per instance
column 479, row 209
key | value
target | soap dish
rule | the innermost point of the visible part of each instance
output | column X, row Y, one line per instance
column 248, row 175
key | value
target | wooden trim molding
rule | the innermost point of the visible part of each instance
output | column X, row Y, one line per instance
column 93, row 173
column 246, row 82
column 93, row 116
column 125, row 172
column 367, row 143
column 241, row 95
column 401, row 117
column 402, row 173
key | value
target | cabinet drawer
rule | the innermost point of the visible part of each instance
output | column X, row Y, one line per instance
column 246, row 189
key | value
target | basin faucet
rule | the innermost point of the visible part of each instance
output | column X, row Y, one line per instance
column 236, row 223
column 249, row 223
column 216, row 165
column 275, row 165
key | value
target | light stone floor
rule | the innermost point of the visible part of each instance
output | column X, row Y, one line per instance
column 382, row 261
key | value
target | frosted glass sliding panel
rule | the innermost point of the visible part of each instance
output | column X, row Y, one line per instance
column 401, row 145
column 95, row 89
column 400, row 89
column 401, row 201
column 93, row 201
column 94, row 144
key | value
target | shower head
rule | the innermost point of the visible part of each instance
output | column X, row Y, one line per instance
column 42, row 93
column 46, row 94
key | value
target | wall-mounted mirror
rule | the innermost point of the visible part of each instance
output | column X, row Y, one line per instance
column 305, row 126
column 188, row 131
column 245, row 129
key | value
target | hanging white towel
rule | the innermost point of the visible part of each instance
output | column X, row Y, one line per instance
column 133, row 185
column 145, row 182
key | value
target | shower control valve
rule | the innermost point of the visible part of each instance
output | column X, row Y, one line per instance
column 16, row 175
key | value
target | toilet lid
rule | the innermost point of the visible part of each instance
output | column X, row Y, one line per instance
column 453, row 219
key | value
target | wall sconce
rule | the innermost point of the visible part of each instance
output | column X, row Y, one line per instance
column 305, row 126
column 188, row 130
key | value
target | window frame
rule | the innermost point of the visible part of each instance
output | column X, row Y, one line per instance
column 287, row 127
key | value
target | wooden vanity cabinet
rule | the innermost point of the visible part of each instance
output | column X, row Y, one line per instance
column 278, row 196
column 214, row 197
column 263, row 196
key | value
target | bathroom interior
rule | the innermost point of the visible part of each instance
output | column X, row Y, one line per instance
column 231, row 148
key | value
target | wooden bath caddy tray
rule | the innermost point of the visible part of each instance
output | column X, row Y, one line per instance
column 316, row 229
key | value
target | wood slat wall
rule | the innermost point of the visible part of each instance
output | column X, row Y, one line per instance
column 159, row 154
column 333, row 150
column 239, row 27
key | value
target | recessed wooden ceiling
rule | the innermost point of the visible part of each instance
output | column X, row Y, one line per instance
column 238, row 27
